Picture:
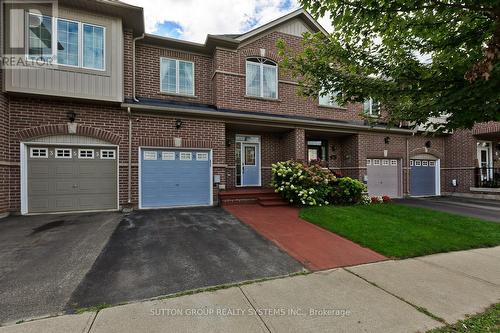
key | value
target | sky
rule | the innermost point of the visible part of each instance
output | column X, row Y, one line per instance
column 192, row 20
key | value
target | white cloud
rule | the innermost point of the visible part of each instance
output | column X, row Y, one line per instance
column 201, row 17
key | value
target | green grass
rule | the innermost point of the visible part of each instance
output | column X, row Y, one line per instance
column 399, row 231
column 488, row 321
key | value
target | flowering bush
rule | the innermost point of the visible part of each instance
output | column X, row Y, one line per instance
column 386, row 199
column 377, row 200
column 365, row 200
column 347, row 191
column 302, row 184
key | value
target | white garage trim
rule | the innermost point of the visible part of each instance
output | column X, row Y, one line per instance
column 139, row 159
column 24, row 146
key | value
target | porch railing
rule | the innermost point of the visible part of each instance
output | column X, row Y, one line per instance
column 487, row 177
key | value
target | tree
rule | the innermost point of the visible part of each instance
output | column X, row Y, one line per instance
column 419, row 58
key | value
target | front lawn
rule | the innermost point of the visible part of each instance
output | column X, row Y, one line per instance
column 399, row 231
column 488, row 321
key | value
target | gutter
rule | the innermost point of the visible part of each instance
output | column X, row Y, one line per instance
column 133, row 66
column 236, row 116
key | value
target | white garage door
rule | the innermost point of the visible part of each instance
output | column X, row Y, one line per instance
column 384, row 177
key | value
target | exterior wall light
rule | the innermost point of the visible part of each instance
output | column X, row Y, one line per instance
column 71, row 116
column 178, row 123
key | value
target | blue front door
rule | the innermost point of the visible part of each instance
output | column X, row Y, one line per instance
column 171, row 178
column 250, row 164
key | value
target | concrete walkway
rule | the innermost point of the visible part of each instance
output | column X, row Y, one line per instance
column 315, row 247
column 378, row 297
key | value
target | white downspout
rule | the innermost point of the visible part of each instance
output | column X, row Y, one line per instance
column 133, row 66
column 129, row 198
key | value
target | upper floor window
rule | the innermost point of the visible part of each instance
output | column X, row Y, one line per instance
column 261, row 78
column 67, row 39
column 371, row 107
column 40, row 37
column 328, row 99
column 70, row 43
column 93, row 46
column 177, row 76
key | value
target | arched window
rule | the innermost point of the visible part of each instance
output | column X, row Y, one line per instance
column 261, row 78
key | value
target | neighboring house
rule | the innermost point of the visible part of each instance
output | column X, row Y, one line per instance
column 128, row 119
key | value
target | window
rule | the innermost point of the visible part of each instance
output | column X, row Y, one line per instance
column 202, row 156
column 168, row 156
column 150, row 156
column 177, row 76
column 371, row 107
column 108, row 154
column 39, row 152
column 75, row 44
column 394, row 162
column 86, row 153
column 39, row 37
column 385, row 162
column 376, row 162
column 425, row 163
column 368, row 162
column 93, row 46
column 316, row 150
column 67, row 42
column 261, row 78
column 432, row 163
column 418, row 163
column 328, row 99
column 63, row 153
column 185, row 156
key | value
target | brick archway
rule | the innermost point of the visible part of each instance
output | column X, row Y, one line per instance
column 63, row 129
column 271, row 55
column 430, row 151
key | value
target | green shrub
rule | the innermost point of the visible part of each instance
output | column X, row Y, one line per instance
column 347, row 191
column 302, row 184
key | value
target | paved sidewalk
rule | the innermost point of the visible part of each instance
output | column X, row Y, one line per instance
column 377, row 297
column 315, row 247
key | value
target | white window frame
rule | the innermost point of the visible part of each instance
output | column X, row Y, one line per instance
column 184, row 154
column 368, row 162
column 63, row 149
column 202, row 156
column 369, row 112
column 148, row 155
column 376, row 162
column 177, row 77
column 411, row 162
column 107, row 151
column 168, row 155
column 394, row 162
column 385, row 162
column 261, row 68
column 331, row 99
column 80, row 151
column 425, row 163
column 83, row 24
column 418, row 163
column 46, row 150
column 80, row 43
column 54, row 41
column 432, row 163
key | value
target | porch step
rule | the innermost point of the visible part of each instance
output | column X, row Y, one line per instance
column 264, row 196
column 273, row 202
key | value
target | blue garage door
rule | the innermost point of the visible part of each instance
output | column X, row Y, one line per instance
column 172, row 178
column 423, row 177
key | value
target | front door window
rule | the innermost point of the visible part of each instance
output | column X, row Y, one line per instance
column 484, row 159
column 316, row 150
column 247, row 160
column 249, row 155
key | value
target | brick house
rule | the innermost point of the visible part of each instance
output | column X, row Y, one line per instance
column 128, row 119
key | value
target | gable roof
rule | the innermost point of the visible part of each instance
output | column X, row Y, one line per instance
column 232, row 40
column 299, row 13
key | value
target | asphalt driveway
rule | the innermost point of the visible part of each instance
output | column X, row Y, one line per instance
column 44, row 258
column 483, row 209
column 159, row 252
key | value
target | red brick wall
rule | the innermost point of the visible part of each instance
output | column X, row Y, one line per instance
column 230, row 84
column 127, row 63
column 148, row 74
column 148, row 130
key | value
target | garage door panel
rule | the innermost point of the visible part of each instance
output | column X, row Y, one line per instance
column 384, row 178
column 71, row 184
column 423, row 178
column 174, row 182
